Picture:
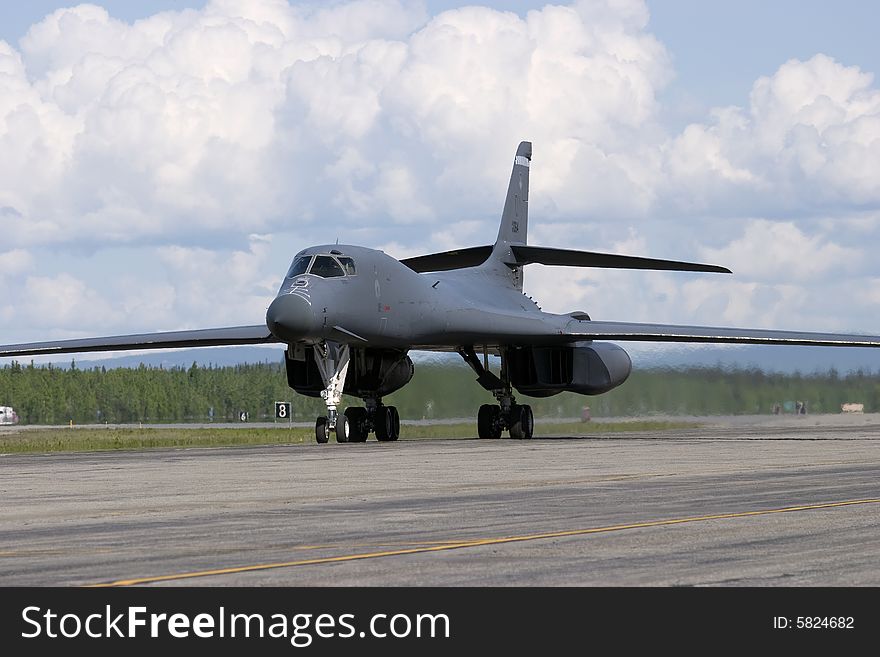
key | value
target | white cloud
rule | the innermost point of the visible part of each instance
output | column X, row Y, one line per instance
column 220, row 288
column 198, row 121
column 184, row 133
column 15, row 262
column 809, row 139
column 48, row 302
column 779, row 251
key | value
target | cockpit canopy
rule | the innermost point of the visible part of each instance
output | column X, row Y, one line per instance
column 323, row 265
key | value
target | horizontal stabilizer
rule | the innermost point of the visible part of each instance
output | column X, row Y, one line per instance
column 543, row 255
column 456, row 259
column 565, row 257
column 214, row 337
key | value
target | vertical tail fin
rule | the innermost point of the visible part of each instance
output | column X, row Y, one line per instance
column 515, row 217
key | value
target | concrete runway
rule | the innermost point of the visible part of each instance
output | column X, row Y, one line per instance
column 800, row 500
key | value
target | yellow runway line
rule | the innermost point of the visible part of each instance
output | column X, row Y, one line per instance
column 480, row 542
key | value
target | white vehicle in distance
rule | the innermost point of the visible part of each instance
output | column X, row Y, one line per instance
column 7, row 415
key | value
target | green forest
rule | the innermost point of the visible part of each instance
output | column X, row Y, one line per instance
column 53, row 395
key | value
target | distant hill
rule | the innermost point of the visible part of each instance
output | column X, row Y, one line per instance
column 217, row 356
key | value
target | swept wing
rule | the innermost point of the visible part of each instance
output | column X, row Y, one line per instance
column 213, row 337
column 628, row 331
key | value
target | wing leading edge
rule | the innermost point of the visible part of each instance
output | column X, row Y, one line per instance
column 213, row 337
column 626, row 331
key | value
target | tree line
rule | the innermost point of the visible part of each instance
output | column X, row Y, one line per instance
column 54, row 395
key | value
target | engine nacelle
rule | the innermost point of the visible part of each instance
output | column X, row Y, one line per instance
column 376, row 372
column 587, row 368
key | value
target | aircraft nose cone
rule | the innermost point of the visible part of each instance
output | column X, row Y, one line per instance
column 289, row 317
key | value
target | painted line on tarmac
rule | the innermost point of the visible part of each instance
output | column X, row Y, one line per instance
column 457, row 545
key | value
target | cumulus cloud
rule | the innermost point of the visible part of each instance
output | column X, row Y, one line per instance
column 219, row 286
column 15, row 262
column 187, row 132
column 809, row 140
column 780, row 251
column 260, row 115
column 64, row 300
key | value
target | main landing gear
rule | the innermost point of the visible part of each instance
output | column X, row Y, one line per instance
column 518, row 420
column 493, row 420
column 356, row 423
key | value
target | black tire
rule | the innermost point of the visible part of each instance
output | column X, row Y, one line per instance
column 384, row 423
column 395, row 423
column 488, row 425
column 516, row 422
column 357, row 424
column 343, row 429
column 530, row 423
column 522, row 422
column 484, row 422
column 321, row 433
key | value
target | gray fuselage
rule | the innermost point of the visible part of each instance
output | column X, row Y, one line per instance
column 386, row 304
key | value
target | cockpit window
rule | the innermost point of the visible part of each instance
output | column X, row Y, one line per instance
column 326, row 267
column 299, row 266
column 347, row 265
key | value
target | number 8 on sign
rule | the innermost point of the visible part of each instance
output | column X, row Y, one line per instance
column 282, row 410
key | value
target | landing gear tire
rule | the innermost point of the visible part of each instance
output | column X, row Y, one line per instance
column 522, row 422
column 355, row 421
column 322, row 435
column 488, row 422
column 395, row 423
column 343, row 429
column 387, row 423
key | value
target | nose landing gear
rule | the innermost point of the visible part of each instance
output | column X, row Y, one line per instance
column 332, row 361
column 356, row 423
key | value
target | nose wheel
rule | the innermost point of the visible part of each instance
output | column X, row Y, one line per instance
column 322, row 430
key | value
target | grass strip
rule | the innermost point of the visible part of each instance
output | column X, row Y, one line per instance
column 89, row 439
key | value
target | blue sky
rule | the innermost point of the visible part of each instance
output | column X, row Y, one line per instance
column 150, row 169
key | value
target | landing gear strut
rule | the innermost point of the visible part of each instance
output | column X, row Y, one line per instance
column 332, row 361
column 492, row 420
column 356, row 423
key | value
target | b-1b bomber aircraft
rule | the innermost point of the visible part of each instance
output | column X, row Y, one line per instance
column 349, row 315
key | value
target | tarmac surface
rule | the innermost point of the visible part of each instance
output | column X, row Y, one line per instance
column 760, row 502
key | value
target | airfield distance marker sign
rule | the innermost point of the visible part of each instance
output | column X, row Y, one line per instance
column 283, row 411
